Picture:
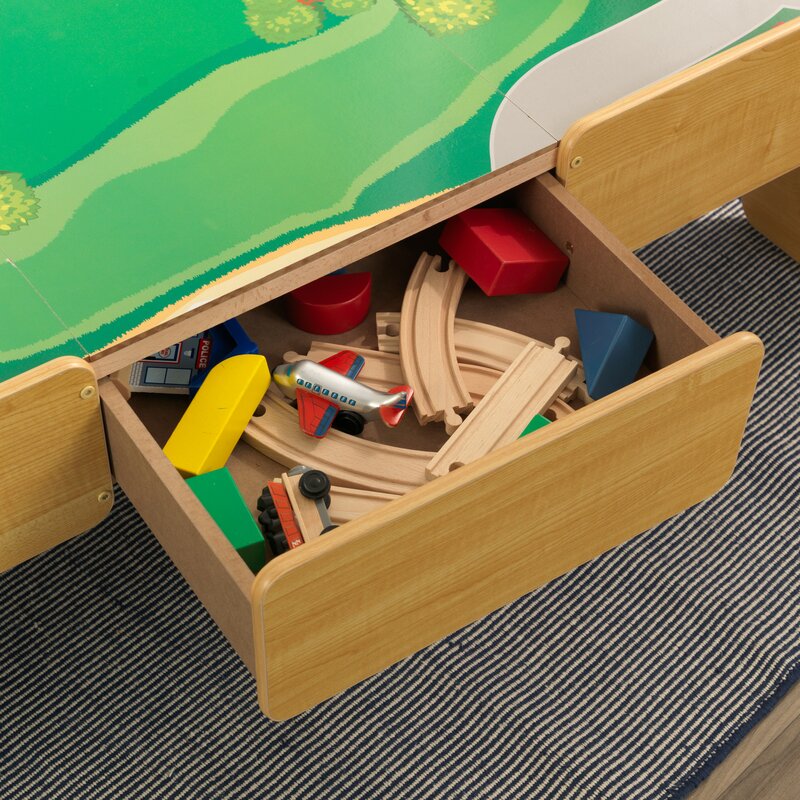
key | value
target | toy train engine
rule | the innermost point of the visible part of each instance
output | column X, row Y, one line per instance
column 294, row 508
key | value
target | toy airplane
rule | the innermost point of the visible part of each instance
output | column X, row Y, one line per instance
column 328, row 391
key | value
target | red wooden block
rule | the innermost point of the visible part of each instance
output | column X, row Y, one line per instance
column 332, row 304
column 503, row 251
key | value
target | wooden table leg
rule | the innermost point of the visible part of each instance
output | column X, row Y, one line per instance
column 774, row 210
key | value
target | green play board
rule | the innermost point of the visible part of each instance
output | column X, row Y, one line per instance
column 148, row 148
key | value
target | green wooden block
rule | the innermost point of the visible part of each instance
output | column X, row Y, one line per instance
column 537, row 422
column 218, row 493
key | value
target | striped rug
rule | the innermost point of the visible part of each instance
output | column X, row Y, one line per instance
column 631, row 677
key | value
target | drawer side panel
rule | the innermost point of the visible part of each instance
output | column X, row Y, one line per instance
column 215, row 571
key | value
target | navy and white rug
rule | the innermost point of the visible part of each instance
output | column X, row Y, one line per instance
column 631, row 677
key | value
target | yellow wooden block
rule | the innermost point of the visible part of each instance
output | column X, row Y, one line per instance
column 207, row 433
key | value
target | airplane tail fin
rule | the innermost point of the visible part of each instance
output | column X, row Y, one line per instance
column 391, row 415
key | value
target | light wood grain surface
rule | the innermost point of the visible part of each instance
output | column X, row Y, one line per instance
column 528, row 387
column 774, row 209
column 776, row 773
column 348, row 504
column 765, row 765
column 342, row 608
column 194, row 542
column 667, row 154
column 55, row 480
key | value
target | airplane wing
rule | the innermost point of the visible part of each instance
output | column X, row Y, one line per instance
column 316, row 414
column 345, row 362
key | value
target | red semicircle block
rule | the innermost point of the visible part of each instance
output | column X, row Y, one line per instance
column 331, row 304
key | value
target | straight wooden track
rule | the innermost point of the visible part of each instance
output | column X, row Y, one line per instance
column 527, row 388
column 348, row 504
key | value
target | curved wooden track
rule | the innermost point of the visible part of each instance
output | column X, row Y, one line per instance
column 427, row 346
column 528, row 387
column 382, row 371
column 483, row 345
column 348, row 460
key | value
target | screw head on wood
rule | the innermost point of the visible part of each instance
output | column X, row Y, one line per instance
column 88, row 392
column 103, row 497
column 576, row 162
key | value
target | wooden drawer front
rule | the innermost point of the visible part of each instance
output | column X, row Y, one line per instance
column 733, row 119
column 55, row 481
column 349, row 604
column 391, row 583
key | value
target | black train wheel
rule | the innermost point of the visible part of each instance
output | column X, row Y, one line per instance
column 314, row 484
column 277, row 543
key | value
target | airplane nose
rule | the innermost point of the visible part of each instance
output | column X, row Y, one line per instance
column 283, row 375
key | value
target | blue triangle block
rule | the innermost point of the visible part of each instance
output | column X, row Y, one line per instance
column 613, row 347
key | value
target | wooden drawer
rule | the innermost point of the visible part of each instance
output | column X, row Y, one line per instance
column 341, row 608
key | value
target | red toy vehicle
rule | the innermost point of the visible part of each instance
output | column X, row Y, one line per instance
column 294, row 508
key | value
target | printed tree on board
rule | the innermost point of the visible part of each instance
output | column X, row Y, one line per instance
column 442, row 17
column 18, row 203
column 285, row 21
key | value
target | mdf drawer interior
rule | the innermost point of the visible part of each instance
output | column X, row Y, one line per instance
column 318, row 619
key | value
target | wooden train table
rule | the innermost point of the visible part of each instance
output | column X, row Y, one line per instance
column 167, row 166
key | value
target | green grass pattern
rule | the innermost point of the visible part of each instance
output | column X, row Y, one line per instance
column 367, row 115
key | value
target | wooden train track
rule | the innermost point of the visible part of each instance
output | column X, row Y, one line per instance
column 427, row 346
column 382, row 371
column 348, row 460
column 528, row 387
column 481, row 344
column 348, row 504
